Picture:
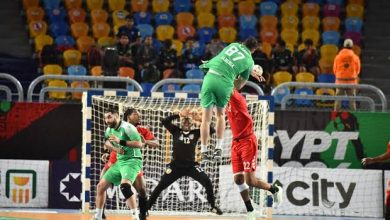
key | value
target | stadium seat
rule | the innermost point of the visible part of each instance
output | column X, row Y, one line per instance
column 305, row 77
column 326, row 66
column 245, row 33
column 325, row 103
column 77, row 70
column 50, row 4
column 289, row 9
column 227, row 34
column 246, row 7
column 226, row 21
column 203, row 6
column 139, row 5
column 159, row 6
column 331, row 24
column 248, row 22
column 278, row 2
column 356, row 37
column 119, row 17
column 303, row 92
column 164, row 32
column 125, row 71
column 56, row 15
column 37, row 28
column 267, row 49
column 353, row 25
column 184, row 18
column 178, row 46
column 314, row 35
column 331, row 10
column 65, row 41
column 79, row 84
column 328, row 51
column 96, row 71
column 72, row 4
column 310, row 9
column 194, row 74
column 191, row 88
column 30, row 3
column 41, row 40
column 170, row 88
column 145, row 30
column 281, row 77
column 72, row 57
column 268, row 21
column 205, row 19
column 280, row 93
column 331, row 37
column 297, row 2
column 59, row 28
column 106, row 42
column 335, row 2
column 354, row 10
column 163, row 18
column 35, row 13
column 84, row 43
column 79, row 29
column 290, row 36
column 99, row 16
column 290, row 22
column 182, row 6
column 357, row 2
column 184, row 32
column 100, row 30
column 142, row 18
column 57, row 94
column 310, row 22
column 268, row 8
column 52, row 69
column 269, row 35
column 77, row 15
column 114, row 5
column 225, row 7
column 146, row 87
column 326, row 78
column 94, row 4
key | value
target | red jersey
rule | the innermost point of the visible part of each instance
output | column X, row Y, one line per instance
column 239, row 118
column 146, row 133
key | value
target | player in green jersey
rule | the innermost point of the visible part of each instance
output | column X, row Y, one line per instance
column 123, row 138
column 229, row 69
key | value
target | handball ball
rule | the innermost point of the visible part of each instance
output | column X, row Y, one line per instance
column 258, row 70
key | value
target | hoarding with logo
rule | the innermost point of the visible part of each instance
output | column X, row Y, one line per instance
column 24, row 183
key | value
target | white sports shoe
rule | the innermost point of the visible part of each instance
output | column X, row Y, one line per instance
column 251, row 215
column 95, row 218
column 135, row 217
column 278, row 196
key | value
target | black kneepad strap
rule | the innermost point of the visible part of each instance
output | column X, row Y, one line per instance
column 126, row 190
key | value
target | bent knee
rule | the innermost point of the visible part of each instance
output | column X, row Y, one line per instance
column 239, row 179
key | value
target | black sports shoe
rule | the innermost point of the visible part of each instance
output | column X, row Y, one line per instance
column 217, row 154
column 104, row 216
column 142, row 217
column 205, row 157
column 216, row 210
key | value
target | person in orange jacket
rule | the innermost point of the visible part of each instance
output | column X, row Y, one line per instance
column 346, row 68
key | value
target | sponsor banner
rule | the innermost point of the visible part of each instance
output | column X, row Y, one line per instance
column 329, row 139
column 65, row 185
column 24, row 183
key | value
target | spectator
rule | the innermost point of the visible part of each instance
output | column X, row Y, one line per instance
column 214, row 47
column 129, row 29
column 167, row 58
column 124, row 50
column 346, row 68
column 307, row 59
column 260, row 58
column 281, row 58
column 191, row 56
column 146, row 59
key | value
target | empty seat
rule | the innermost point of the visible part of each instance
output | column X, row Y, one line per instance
column 331, row 10
column 281, row 77
column 280, row 94
column 84, row 43
column 246, row 7
column 331, row 37
column 325, row 103
column 326, row 66
column 245, row 33
column 77, row 70
column 290, row 22
column 72, row 4
column 56, row 15
column 96, row 71
column 139, row 5
column 119, row 17
column 248, row 22
column 289, row 9
column 290, row 36
column 127, row 72
column 163, row 18
column 59, row 28
column 160, row 6
column 353, row 25
column 52, row 69
column 77, row 15
column 314, row 35
column 30, row 3
column 356, row 37
column 184, row 32
column 79, row 29
column 268, row 21
column 203, row 6
column 310, row 22
column 205, row 19
column 268, row 8
column 164, row 32
column 100, row 30
column 116, row 5
column 99, row 16
column 310, row 9
column 331, row 24
column 106, row 42
column 94, row 4
column 305, row 77
column 42, row 40
column 269, row 35
column 329, row 51
column 79, row 84
column 225, row 7
column 227, row 34
column 194, row 74
column 64, row 42
column 354, row 10
column 182, row 6
column 205, row 34
column 142, row 18
column 170, row 88
column 145, row 30
column 226, row 21
column 178, row 46
column 326, row 78
column 57, row 94
column 72, row 57
column 191, row 88
column 35, row 13
column 303, row 92
column 184, row 18
column 37, row 28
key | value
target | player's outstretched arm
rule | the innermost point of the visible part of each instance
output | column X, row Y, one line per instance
column 381, row 158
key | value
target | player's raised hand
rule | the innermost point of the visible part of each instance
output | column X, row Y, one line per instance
column 196, row 114
column 185, row 112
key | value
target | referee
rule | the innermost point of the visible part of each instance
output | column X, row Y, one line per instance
column 183, row 163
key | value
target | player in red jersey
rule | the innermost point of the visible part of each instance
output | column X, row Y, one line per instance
column 244, row 153
column 133, row 116
column 378, row 159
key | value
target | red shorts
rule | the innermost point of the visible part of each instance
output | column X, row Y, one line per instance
column 244, row 154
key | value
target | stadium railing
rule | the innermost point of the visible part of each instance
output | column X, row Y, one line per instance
column 8, row 90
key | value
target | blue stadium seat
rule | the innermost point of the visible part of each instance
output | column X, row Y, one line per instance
column 49, row 4
column 268, row 8
column 326, row 78
column 282, row 92
column 59, row 28
column 146, row 87
column 56, row 15
column 77, row 70
column 194, row 74
column 245, row 33
column 65, row 41
column 170, row 88
column 191, row 88
column 331, row 37
column 206, row 34
column 142, row 18
column 145, row 30
column 275, row 1
column 353, row 25
column 182, row 6
column 248, row 22
column 303, row 102
column 335, row 2
column 164, row 18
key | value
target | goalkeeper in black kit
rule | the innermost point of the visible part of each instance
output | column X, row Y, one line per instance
column 183, row 162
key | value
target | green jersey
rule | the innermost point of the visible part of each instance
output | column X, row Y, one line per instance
column 127, row 132
column 233, row 61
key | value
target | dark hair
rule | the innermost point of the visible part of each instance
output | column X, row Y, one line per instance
column 129, row 17
column 308, row 42
column 281, row 43
column 128, row 112
column 112, row 110
column 251, row 43
column 121, row 34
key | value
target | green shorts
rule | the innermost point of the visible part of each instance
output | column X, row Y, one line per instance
column 123, row 170
column 216, row 90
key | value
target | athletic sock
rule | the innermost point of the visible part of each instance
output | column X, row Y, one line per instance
column 219, row 144
column 203, row 148
column 142, row 205
column 99, row 213
column 134, row 212
column 248, row 205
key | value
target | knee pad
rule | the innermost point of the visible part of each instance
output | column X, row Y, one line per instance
column 126, row 190
column 242, row 187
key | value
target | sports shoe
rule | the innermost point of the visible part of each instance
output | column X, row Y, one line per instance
column 216, row 210
column 95, row 218
column 277, row 196
column 217, row 154
column 205, row 157
column 251, row 215
column 104, row 216
column 142, row 217
column 135, row 217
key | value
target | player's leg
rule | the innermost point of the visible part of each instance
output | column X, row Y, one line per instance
column 198, row 174
column 220, row 129
column 352, row 104
column 140, row 186
column 104, row 170
column 207, row 114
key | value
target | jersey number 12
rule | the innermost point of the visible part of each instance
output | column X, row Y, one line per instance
column 233, row 51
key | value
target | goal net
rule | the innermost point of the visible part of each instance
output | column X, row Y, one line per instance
column 185, row 196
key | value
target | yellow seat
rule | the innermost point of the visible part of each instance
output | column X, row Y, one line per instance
column 76, row 15
column 184, row 18
column 57, row 94
column 268, row 21
column 246, row 7
column 281, row 77
column 289, row 9
column 52, row 69
column 126, row 72
column 203, row 6
column 227, row 21
column 99, row 16
column 165, row 32
column 227, row 34
column 101, row 30
column 42, row 40
column 114, row 5
column 97, row 71
column 79, row 84
column 79, row 29
column 94, row 4
column 37, row 28
column 30, row 3
column 35, row 14
column 72, row 57
column 314, row 35
column 205, row 19
column 71, row 4
column 331, row 24
column 267, row 49
column 269, row 35
column 310, row 9
column 290, row 22
column 310, row 22
column 106, row 42
column 84, row 43
column 178, row 46
column 160, row 6
column 225, row 7
column 325, row 91
column 139, row 5
column 290, row 36
column 291, row 47
column 305, row 77
column 119, row 17
column 329, row 51
column 354, row 10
